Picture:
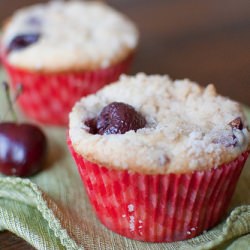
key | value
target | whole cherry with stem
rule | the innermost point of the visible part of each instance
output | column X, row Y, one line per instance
column 23, row 146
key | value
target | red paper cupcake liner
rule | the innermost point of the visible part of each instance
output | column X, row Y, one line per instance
column 48, row 98
column 159, row 208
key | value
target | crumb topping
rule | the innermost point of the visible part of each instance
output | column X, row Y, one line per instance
column 188, row 127
column 73, row 35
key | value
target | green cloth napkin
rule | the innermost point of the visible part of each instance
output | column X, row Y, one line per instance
column 51, row 210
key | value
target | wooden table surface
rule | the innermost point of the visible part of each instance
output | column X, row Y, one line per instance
column 206, row 41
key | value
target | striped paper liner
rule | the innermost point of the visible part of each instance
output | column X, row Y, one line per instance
column 48, row 98
column 159, row 208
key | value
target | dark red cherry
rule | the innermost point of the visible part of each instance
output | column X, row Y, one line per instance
column 116, row 118
column 237, row 123
column 22, row 41
column 22, row 149
column 91, row 123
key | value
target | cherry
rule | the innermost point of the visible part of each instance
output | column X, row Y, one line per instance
column 116, row 118
column 22, row 41
column 91, row 124
column 236, row 123
column 231, row 140
column 22, row 149
column 23, row 146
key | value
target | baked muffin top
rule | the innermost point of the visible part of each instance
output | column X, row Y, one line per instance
column 187, row 127
column 66, row 36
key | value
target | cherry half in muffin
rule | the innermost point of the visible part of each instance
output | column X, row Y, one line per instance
column 22, row 41
column 116, row 118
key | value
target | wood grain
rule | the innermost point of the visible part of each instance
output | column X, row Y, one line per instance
column 206, row 41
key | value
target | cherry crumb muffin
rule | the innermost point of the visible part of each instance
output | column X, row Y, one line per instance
column 61, row 51
column 159, row 158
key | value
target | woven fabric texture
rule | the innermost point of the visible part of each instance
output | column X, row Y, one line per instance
column 51, row 209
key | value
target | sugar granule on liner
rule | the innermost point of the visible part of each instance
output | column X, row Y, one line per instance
column 131, row 208
column 132, row 223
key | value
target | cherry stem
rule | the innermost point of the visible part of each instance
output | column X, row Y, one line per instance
column 19, row 91
column 10, row 101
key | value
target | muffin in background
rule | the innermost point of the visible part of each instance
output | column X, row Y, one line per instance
column 61, row 51
column 159, row 159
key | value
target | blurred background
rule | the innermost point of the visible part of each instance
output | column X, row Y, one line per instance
column 206, row 41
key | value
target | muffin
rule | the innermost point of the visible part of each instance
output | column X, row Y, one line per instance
column 61, row 51
column 159, row 158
